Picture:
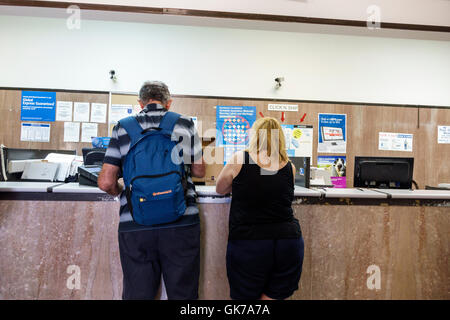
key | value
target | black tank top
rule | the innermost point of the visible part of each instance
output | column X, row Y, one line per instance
column 261, row 203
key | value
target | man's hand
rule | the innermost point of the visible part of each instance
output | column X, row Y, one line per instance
column 198, row 169
column 108, row 180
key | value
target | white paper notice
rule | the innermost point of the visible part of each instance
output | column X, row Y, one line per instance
column 98, row 112
column 71, row 131
column 395, row 141
column 299, row 140
column 64, row 110
column 88, row 130
column 443, row 134
column 136, row 109
column 119, row 111
column 81, row 111
column 36, row 132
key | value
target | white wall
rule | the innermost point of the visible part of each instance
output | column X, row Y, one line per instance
column 43, row 53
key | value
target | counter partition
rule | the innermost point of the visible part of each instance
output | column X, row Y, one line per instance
column 401, row 234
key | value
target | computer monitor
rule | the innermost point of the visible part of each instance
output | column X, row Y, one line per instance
column 302, row 170
column 383, row 172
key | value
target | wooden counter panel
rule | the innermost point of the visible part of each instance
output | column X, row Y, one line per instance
column 409, row 244
column 214, row 236
column 38, row 242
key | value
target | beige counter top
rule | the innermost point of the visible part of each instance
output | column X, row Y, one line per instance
column 209, row 191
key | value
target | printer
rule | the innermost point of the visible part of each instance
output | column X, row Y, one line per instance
column 93, row 161
column 88, row 175
column 37, row 165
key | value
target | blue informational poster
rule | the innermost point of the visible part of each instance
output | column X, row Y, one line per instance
column 38, row 106
column 332, row 133
column 232, row 127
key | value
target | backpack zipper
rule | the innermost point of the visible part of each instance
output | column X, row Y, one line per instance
column 153, row 176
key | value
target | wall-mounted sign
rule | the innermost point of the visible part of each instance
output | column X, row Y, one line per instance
column 35, row 132
column 390, row 141
column 81, row 111
column 64, row 110
column 88, row 131
column 119, row 111
column 337, row 165
column 71, row 131
column 332, row 133
column 299, row 140
column 443, row 134
column 98, row 112
column 232, row 128
column 38, row 106
column 283, row 107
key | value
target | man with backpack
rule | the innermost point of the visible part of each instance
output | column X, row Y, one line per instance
column 156, row 152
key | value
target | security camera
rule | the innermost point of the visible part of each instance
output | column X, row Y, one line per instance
column 112, row 75
column 278, row 81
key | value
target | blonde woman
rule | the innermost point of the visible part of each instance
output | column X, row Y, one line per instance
column 265, row 244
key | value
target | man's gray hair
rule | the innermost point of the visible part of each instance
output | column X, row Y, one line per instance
column 154, row 90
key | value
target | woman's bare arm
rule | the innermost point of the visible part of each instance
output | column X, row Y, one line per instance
column 229, row 172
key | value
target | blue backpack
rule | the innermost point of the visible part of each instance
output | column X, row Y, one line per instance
column 153, row 182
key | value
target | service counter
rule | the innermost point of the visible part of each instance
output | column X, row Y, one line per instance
column 353, row 238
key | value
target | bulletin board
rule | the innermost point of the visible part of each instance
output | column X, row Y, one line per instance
column 10, row 129
column 364, row 123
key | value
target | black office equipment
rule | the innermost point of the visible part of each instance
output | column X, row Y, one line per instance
column 88, row 175
column 302, row 172
column 383, row 172
column 93, row 156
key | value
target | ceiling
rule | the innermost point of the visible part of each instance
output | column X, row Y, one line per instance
column 226, row 23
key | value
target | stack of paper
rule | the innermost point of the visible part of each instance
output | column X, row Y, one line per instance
column 42, row 170
column 15, row 166
column 64, row 162
column 77, row 162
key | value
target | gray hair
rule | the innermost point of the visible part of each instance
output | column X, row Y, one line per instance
column 154, row 90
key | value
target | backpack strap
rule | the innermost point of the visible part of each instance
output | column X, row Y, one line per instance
column 168, row 123
column 169, row 120
column 132, row 127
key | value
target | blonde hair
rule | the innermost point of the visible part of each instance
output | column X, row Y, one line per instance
column 262, row 141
